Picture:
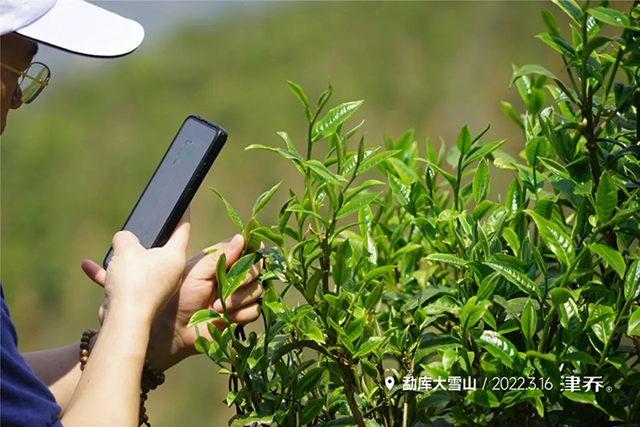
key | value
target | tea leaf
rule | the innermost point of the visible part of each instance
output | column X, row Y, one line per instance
column 264, row 199
column 481, row 181
column 400, row 190
column 571, row 8
column 632, row 282
column 634, row 322
column 555, row 239
column 516, row 277
column 237, row 274
column 356, row 204
column 205, row 315
column 612, row 17
column 612, row 257
column 535, row 148
column 482, row 209
column 368, row 346
column 299, row 93
column 499, row 347
column 464, row 140
column 334, row 118
column 606, row 198
column 531, row 69
column 447, row 259
column 323, row 172
column 529, row 321
column 230, row 211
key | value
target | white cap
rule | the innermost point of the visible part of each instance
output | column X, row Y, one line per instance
column 72, row 25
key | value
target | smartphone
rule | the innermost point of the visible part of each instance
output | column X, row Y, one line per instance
column 174, row 182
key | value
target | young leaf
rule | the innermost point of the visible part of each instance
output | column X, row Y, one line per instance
column 571, row 8
column 483, row 209
column 230, row 211
column 447, row 259
column 499, row 347
column 237, row 274
column 555, row 239
column 464, row 140
column 334, row 118
column 537, row 147
column 611, row 256
column 481, row 182
column 516, row 277
column 531, row 69
column 264, row 198
column 606, row 198
column 400, row 190
column 511, row 113
column 200, row 316
column 634, row 322
column 356, row 204
column 632, row 281
column 299, row 93
column 612, row 17
column 529, row 321
column 368, row 346
column 323, row 172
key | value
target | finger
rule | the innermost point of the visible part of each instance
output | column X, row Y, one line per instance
column 243, row 316
column 252, row 274
column 124, row 240
column 180, row 237
column 94, row 271
column 204, row 268
column 241, row 297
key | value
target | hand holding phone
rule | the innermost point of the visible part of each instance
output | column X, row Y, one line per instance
column 174, row 182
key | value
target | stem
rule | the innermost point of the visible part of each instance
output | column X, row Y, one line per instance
column 349, row 381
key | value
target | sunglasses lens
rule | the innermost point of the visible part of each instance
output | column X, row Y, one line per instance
column 32, row 88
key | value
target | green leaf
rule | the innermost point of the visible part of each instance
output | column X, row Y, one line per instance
column 205, row 315
column 584, row 397
column 289, row 155
column 571, row 8
column 611, row 256
column 405, row 173
column 447, row 259
column 536, row 147
column 311, row 410
column 529, row 321
column 531, row 69
column 290, row 147
column 482, row 209
column 237, row 274
column 375, row 160
column 484, row 398
column 612, row 17
column 555, row 239
column 480, row 151
column 299, row 93
column 367, row 184
column 558, row 44
column 606, row 198
column 594, row 44
column 373, row 297
column 267, row 233
column 556, row 168
column 550, row 22
column 334, row 118
column 377, row 272
column 464, row 140
column 632, row 282
column 634, row 322
column 481, row 181
column 356, row 204
column 400, row 190
column 511, row 113
column 221, row 276
column 324, row 173
column 516, row 277
column 264, row 198
column 309, row 382
column 499, row 347
column 230, row 211
column 368, row 346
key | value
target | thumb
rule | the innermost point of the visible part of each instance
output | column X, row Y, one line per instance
column 204, row 264
column 180, row 237
column 94, row 272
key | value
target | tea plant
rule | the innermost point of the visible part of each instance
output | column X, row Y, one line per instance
column 516, row 311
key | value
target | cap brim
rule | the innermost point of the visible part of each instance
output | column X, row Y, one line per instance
column 85, row 29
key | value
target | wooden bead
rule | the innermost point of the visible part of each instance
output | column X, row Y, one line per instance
column 84, row 360
column 84, row 353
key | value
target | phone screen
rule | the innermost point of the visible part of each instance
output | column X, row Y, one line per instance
column 182, row 162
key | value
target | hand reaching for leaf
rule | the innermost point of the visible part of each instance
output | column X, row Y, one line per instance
column 171, row 341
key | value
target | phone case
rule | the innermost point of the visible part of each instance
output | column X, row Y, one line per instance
column 191, row 188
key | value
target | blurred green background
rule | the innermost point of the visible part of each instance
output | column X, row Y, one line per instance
column 74, row 162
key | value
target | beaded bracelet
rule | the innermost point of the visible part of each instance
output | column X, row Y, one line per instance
column 150, row 380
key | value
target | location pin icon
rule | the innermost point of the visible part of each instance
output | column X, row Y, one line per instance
column 389, row 382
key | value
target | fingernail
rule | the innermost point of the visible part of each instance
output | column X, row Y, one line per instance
column 217, row 305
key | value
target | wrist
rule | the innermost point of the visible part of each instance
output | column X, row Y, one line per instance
column 129, row 313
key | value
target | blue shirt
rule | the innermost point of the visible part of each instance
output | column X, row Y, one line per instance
column 24, row 400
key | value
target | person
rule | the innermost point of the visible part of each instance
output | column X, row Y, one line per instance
column 149, row 294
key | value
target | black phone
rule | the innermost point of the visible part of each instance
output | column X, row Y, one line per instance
column 174, row 183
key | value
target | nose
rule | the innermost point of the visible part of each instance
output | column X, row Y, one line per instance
column 16, row 99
